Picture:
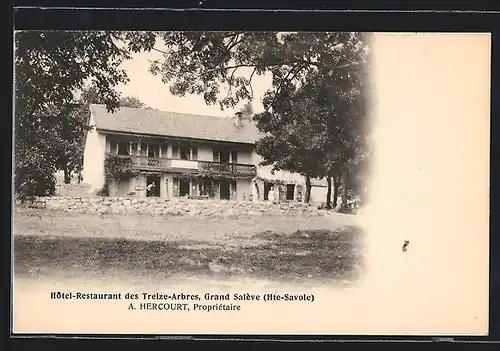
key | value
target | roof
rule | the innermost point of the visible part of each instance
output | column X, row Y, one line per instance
column 173, row 124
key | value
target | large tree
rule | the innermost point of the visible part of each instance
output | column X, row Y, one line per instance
column 50, row 66
column 314, row 109
column 70, row 131
column 73, row 127
column 294, row 138
column 343, row 101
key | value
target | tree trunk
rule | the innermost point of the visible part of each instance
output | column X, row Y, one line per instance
column 344, row 190
column 329, row 193
column 67, row 175
column 336, row 185
column 79, row 175
column 307, row 195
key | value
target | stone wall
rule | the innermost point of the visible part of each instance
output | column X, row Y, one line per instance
column 175, row 207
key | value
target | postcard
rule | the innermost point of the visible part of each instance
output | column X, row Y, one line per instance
column 238, row 182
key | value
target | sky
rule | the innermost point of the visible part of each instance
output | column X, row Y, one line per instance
column 154, row 93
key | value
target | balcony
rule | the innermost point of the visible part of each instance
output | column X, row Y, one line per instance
column 165, row 164
column 183, row 164
column 230, row 169
column 151, row 163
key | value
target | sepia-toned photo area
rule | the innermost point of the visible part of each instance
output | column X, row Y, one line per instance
column 251, row 183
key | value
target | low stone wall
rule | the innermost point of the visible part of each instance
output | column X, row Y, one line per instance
column 175, row 207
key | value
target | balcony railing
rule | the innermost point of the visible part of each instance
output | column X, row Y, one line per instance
column 234, row 169
column 153, row 163
column 165, row 164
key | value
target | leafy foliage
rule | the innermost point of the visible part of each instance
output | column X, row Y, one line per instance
column 202, row 62
column 247, row 111
column 71, row 135
column 315, row 110
column 70, row 149
column 50, row 66
column 132, row 101
column 90, row 95
column 116, row 167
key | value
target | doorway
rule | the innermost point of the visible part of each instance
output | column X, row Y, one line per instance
column 267, row 187
column 225, row 192
column 153, row 186
column 290, row 190
column 183, row 187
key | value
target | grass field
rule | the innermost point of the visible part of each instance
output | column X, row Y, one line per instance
column 139, row 248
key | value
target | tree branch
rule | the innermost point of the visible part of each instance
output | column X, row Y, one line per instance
column 278, row 90
column 211, row 70
column 250, row 81
column 163, row 51
column 349, row 64
column 274, row 64
column 235, row 40
column 230, row 80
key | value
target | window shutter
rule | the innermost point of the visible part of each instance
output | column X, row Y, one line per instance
column 216, row 155
column 195, row 153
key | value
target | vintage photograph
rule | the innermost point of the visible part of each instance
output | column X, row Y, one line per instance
column 208, row 169
column 146, row 155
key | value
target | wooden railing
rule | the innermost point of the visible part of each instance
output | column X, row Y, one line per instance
column 155, row 163
column 165, row 164
column 234, row 169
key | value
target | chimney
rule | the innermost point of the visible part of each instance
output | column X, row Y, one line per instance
column 237, row 119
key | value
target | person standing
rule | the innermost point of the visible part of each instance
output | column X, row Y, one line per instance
column 150, row 188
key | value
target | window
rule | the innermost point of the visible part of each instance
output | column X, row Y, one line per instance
column 123, row 148
column 134, row 148
column 175, row 151
column 112, row 147
column 224, row 156
column 141, row 148
column 153, row 150
column 184, row 153
column 163, row 149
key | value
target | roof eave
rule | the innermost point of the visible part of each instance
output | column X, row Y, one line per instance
column 163, row 136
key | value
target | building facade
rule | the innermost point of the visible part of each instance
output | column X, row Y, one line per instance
column 183, row 155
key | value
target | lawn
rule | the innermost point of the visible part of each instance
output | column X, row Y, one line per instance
column 49, row 244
